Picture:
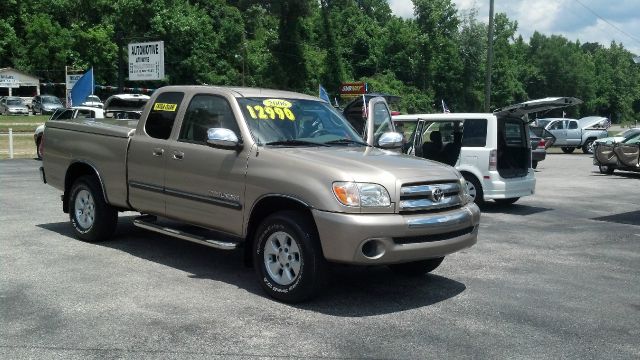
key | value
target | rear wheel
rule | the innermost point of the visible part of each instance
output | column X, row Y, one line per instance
column 417, row 268
column 606, row 169
column 92, row 218
column 587, row 147
column 534, row 164
column 288, row 258
column 508, row 201
column 474, row 188
column 567, row 149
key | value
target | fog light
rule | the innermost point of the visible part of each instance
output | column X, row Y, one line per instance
column 373, row 249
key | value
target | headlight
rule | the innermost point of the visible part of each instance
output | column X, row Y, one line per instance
column 361, row 194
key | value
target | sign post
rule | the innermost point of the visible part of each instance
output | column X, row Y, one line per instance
column 70, row 80
column 146, row 61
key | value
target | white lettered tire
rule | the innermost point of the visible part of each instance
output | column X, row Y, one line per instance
column 288, row 258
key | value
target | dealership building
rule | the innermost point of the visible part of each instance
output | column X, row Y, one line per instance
column 17, row 83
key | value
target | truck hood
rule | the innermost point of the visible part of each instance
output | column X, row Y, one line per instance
column 364, row 163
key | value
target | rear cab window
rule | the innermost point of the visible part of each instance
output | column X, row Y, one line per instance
column 163, row 115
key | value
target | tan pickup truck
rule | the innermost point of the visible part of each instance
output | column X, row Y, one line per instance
column 281, row 174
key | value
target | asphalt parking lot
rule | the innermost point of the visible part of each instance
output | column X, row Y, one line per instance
column 555, row 276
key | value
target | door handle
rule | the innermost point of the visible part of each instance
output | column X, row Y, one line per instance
column 178, row 155
column 158, row 152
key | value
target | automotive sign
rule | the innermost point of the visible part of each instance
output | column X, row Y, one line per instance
column 146, row 61
column 352, row 89
column 8, row 81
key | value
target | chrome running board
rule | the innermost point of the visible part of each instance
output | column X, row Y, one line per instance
column 148, row 222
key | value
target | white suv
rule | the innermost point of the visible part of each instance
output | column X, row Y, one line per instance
column 492, row 151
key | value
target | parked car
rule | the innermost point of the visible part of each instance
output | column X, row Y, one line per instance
column 93, row 101
column 13, row 105
column 63, row 113
column 623, row 155
column 45, row 104
column 538, row 152
column 619, row 137
column 125, row 106
column 240, row 167
column 572, row 134
column 492, row 151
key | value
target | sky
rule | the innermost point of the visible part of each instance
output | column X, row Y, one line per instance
column 584, row 20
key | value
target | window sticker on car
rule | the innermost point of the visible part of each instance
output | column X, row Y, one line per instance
column 277, row 103
column 271, row 112
column 165, row 107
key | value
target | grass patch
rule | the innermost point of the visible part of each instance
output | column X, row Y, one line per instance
column 23, row 146
column 21, row 123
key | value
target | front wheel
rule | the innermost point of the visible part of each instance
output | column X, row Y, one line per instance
column 587, row 148
column 288, row 258
column 92, row 218
column 567, row 149
column 474, row 188
column 417, row 268
column 606, row 169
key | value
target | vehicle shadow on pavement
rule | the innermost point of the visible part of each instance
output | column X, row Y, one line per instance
column 512, row 209
column 353, row 291
column 617, row 175
column 356, row 291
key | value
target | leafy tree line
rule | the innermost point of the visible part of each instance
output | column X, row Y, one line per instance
column 298, row 44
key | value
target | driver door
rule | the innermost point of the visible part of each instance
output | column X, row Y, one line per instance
column 378, row 121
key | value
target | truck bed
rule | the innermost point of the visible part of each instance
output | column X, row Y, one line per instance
column 100, row 143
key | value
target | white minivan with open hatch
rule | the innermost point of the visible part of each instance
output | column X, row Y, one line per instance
column 491, row 150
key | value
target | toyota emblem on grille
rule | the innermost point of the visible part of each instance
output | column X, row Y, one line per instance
column 437, row 194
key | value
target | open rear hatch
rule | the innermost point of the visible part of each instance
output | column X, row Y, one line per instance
column 514, row 151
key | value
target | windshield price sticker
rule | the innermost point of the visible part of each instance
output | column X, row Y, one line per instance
column 165, row 107
column 276, row 103
column 271, row 112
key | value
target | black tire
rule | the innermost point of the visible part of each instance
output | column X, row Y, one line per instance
column 286, row 228
column 534, row 164
column 105, row 217
column 587, row 147
column 479, row 196
column 606, row 169
column 567, row 149
column 508, row 201
column 417, row 268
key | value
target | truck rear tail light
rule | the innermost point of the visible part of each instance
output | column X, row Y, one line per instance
column 493, row 160
column 541, row 143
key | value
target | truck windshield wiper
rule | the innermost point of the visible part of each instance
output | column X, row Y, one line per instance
column 294, row 142
column 347, row 141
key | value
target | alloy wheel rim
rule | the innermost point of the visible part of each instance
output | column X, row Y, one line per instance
column 471, row 190
column 282, row 258
column 85, row 209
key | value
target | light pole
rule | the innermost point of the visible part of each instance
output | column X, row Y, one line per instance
column 487, row 83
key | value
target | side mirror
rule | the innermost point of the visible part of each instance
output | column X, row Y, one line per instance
column 222, row 138
column 390, row 140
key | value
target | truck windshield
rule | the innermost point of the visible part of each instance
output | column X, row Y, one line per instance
column 297, row 122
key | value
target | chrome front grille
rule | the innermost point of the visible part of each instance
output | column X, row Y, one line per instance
column 427, row 197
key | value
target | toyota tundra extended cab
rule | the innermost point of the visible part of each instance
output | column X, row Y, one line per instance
column 281, row 174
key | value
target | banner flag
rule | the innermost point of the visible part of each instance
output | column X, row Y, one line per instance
column 82, row 88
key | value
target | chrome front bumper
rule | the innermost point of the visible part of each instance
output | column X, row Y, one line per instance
column 346, row 238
